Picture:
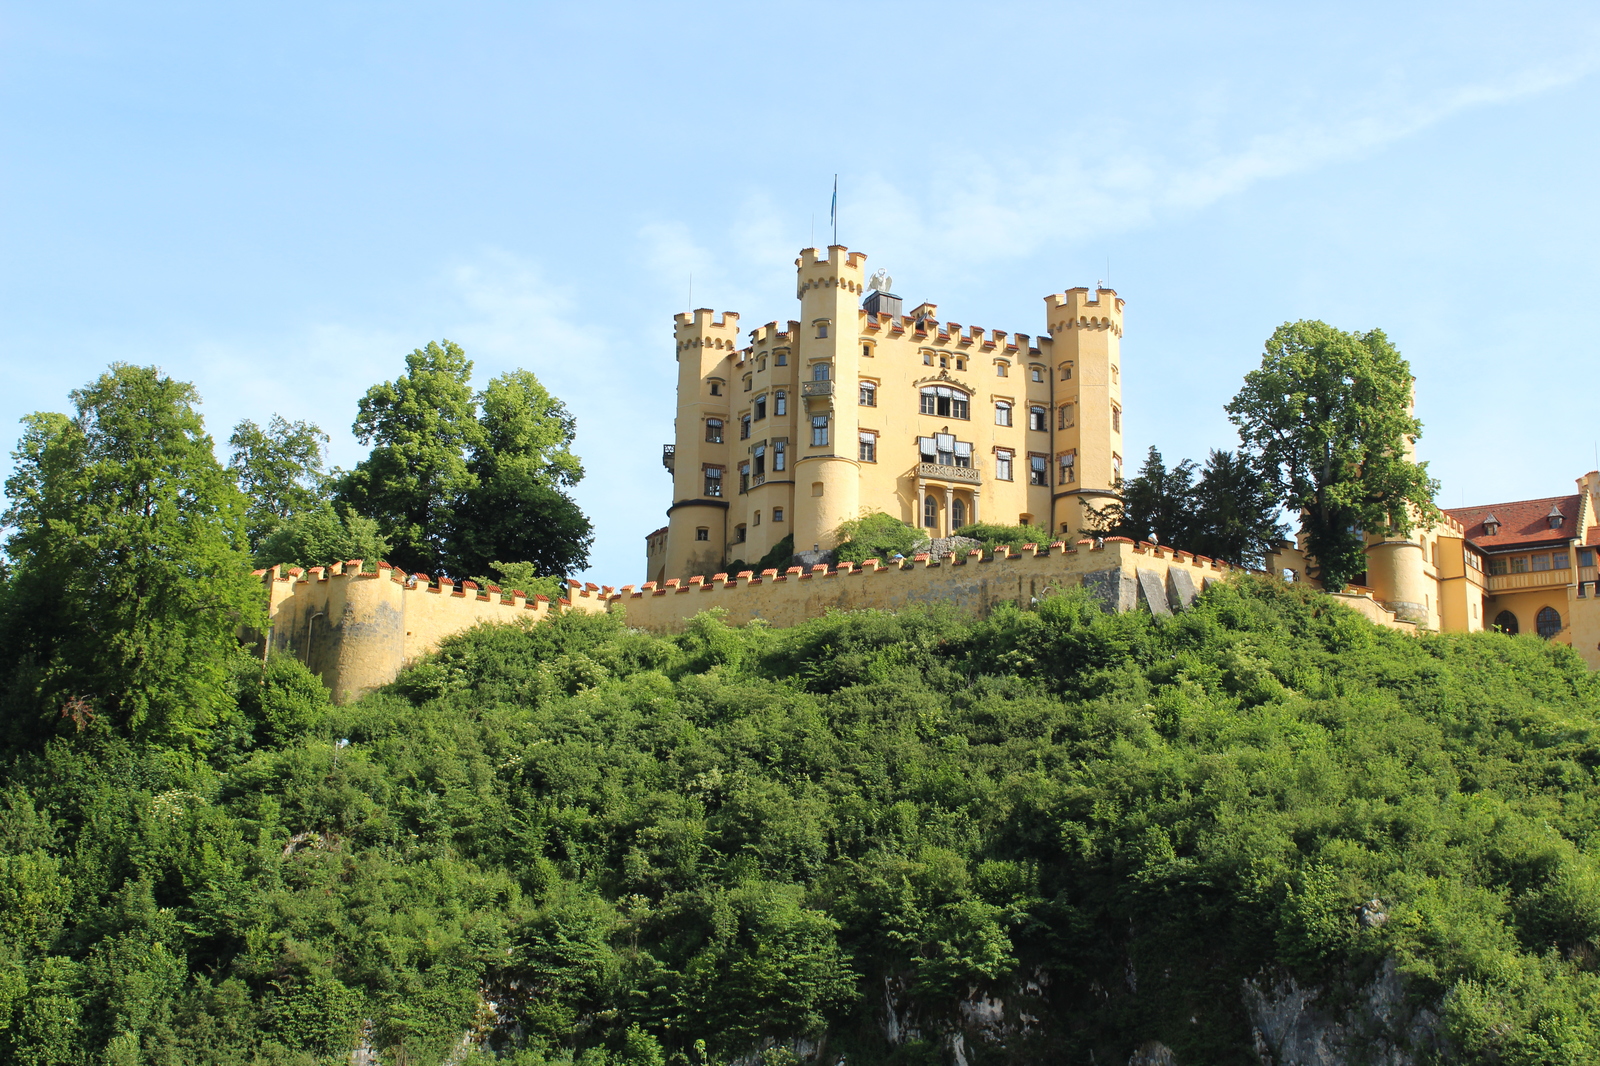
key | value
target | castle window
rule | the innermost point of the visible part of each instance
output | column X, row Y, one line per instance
column 1002, row 413
column 780, row 358
column 761, row 408
column 1002, row 464
column 748, row 382
column 866, row 351
column 761, row 365
column 963, row 454
column 869, row 394
column 761, row 462
column 1064, row 416
column 1066, row 371
column 1002, row 370
column 1116, row 468
column 756, row 521
column 1068, row 463
column 1038, row 471
column 821, row 371
column 1497, row 565
column 1037, row 373
column 1559, row 561
column 739, row 533
column 1585, row 556
column 961, row 364
column 819, row 431
column 822, row 330
column 713, row 480
column 930, row 512
column 958, row 514
column 702, row 533
column 716, row 388
column 744, row 477
column 1038, row 418
column 1541, row 561
column 927, row 358
column 780, row 455
column 867, row 451
column 744, row 427
column 780, row 403
column 777, row 514
column 944, row 402
column 944, row 362
column 1519, row 564
column 1547, row 622
column 1116, row 419
column 1115, row 374
column 714, row 430
column 1506, row 622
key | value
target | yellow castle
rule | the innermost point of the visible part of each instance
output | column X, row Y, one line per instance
column 857, row 405
column 860, row 406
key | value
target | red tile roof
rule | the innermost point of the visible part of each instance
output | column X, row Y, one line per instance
column 1522, row 522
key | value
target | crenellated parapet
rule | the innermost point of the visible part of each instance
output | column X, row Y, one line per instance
column 1078, row 309
column 357, row 628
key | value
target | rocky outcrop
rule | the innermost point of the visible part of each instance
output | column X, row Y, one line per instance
column 1378, row 1027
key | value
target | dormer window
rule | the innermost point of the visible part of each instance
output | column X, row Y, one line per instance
column 1555, row 516
column 1491, row 525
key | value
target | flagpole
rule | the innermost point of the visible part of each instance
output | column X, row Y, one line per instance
column 835, row 211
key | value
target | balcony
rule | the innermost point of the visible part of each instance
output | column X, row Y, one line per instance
column 816, row 388
column 1531, row 580
column 966, row 475
column 667, row 451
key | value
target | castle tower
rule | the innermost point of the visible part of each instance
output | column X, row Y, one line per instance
column 697, row 533
column 1086, row 380
column 828, row 353
column 1397, row 566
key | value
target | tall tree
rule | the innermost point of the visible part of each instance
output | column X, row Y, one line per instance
column 1155, row 504
column 458, row 481
column 1235, row 513
column 130, row 573
column 522, row 461
column 1327, row 421
column 421, row 426
column 281, row 469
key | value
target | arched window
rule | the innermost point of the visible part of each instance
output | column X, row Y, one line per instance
column 945, row 402
column 1506, row 622
column 958, row 514
column 714, row 430
column 930, row 512
column 1548, row 622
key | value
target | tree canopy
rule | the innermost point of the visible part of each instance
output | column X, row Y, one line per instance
column 130, row 575
column 1327, row 421
column 282, row 471
column 457, row 479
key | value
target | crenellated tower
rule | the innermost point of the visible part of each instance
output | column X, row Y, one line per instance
column 1086, row 375
column 697, row 532
column 828, row 351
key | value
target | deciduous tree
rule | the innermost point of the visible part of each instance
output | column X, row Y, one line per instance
column 1327, row 421
column 281, row 469
column 130, row 573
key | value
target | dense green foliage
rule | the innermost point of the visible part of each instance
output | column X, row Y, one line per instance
column 458, row 479
column 1327, row 421
column 875, row 536
column 322, row 533
column 129, row 573
column 632, row 844
column 1224, row 511
column 282, row 471
column 1013, row 537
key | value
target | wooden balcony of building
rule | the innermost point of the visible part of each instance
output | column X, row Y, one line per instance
column 1533, row 579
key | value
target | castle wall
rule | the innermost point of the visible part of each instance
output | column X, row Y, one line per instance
column 358, row 630
column 1120, row 573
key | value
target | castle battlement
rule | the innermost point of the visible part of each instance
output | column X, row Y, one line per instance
column 1082, row 309
column 839, row 269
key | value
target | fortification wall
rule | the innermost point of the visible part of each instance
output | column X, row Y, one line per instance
column 357, row 630
column 1118, row 572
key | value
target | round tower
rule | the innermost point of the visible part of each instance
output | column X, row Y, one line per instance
column 1086, row 374
column 828, row 354
column 702, row 478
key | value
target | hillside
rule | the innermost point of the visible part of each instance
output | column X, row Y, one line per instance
column 1051, row 835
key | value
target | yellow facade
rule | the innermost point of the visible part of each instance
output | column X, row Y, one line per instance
column 858, row 406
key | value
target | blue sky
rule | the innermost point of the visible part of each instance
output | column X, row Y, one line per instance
column 278, row 202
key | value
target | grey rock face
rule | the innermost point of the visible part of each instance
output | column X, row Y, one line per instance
column 1379, row 1029
column 1153, row 591
column 1114, row 590
column 1152, row 1053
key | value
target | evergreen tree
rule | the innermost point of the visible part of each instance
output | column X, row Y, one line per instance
column 130, row 574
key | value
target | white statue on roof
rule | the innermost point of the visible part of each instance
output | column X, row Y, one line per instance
column 881, row 281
